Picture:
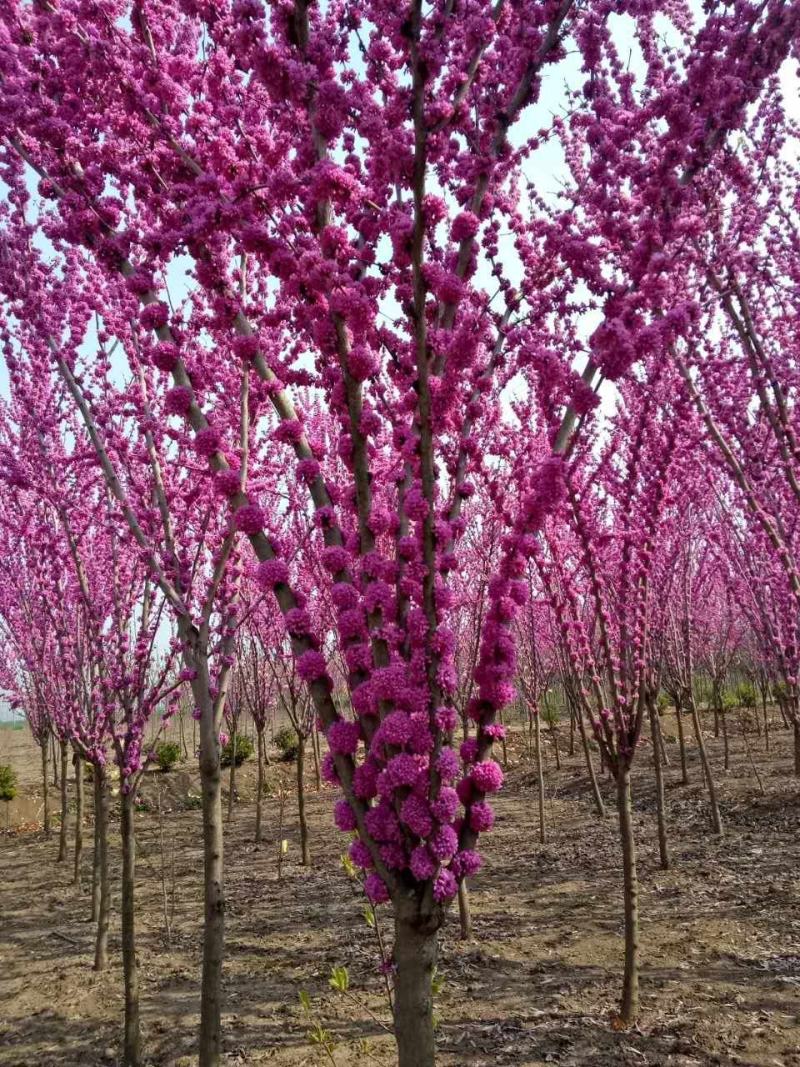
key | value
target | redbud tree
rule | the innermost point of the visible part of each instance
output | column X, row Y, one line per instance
column 347, row 192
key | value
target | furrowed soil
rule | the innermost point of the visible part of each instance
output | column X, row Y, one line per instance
column 538, row 984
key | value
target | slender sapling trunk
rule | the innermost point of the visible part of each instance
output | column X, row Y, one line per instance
column 63, row 836
column 214, row 896
column 629, row 1006
column 587, row 752
column 101, row 861
column 682, row 744
column 78, row 765
column 716, row 819
column 132, row 1051
column 301, row 799
column 464, row 912
column 259, row 782
column 540, row 777
column 663, row 848
column 45, row 798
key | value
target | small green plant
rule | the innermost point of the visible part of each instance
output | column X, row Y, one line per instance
column 8, row 782
column 192, row 802
column 664, row 701
column 550, row 714
column 244, row 749
column 286, row 743
column 745, row 695
column 168, row 753
column 339, row 979
column 348, row 866
column 317, row 1034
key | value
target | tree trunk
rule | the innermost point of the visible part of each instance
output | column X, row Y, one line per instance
column 663, row 849
column 587, row 752
column 132, row 1050
column 662, row 745
column 54, row 759
column 415, row 958
column 629, row 1007
column 682, row 744
column 766, row 724
column 716, row 820
column 726, row 747
column 305, row 858
column 503, row 743
column 554, row 735
column 182, row 735
column 797, row 747
column 540, row 776
column 62, row 837
column 95, row 854
column 101, row 847
column 45, row 798
column 572, row 733
column 78, row 764
column 259, row 782
column 464, row 913
column 315, row 748
column 214, row 896
column 232, row 776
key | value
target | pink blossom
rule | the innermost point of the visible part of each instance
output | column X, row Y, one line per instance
column 311, row 666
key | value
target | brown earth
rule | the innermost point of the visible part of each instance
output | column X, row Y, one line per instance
column 720, row 935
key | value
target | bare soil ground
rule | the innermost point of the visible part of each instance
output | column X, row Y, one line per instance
column 720, row 935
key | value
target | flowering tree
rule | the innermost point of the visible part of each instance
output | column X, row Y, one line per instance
column 346, row 187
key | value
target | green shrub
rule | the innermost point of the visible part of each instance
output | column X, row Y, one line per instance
column 244, row 750
column 168, row 753
column 550, row 715
column 745, row 695
column 8, row 782
column 286, row 743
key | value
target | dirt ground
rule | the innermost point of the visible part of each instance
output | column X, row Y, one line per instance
column 720, row 932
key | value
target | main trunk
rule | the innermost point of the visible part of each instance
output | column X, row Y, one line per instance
column 78, row 764
column 305, row 858
column 46, row 809
column 415, row 958
column 797, row 747
column 101, row 846
column 132, row 1051
column 629, row 1006
column 214, row 896
column 63, row 835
